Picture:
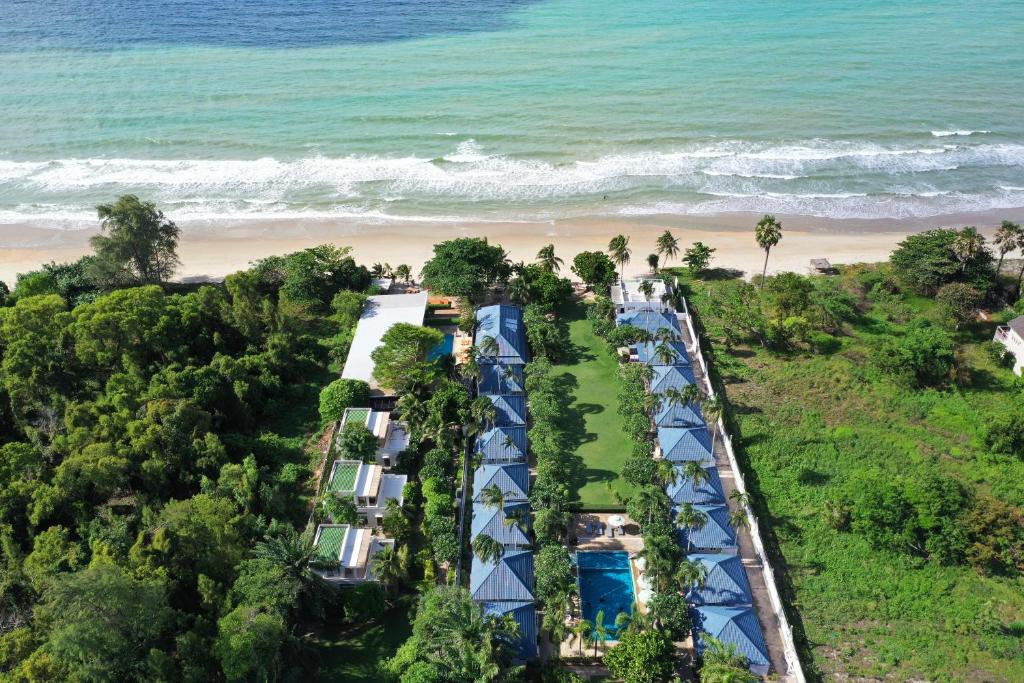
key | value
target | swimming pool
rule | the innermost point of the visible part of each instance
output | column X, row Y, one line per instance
column 605, row 584
column 442, row 349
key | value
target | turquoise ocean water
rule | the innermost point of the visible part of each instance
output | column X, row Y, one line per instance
column 511, row 109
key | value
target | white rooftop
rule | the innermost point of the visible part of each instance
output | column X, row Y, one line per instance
column 379, row 313
column 627, row 292
column 391, row 486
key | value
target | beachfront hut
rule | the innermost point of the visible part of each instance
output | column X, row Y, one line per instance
column 706, row 493
column 512, row 480
column 500, row 378
column 671, row 414
column 510, row 579
column 507, row 525
column 504, row 324
column 502, row 445
column 726, row 582
column 737, row 626
column 717, row 535
column 525, row 616
column 671, row 377
column 511, row 410
column 649, row 321
column 645, row 353
column 682, row 444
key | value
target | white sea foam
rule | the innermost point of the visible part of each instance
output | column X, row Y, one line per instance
column 958, row 133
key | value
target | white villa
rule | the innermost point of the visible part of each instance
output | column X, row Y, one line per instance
column 626, row 296
column 368, row 486
column 380, row 313
column 1011, row 335
column 392, row 437
column 343, row 554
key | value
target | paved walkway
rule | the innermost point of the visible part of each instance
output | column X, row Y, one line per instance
column 762, row 603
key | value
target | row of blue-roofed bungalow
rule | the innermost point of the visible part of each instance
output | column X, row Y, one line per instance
column 736, row 626
column 648, row 353
column 504, row 585
column 685, row 444
column 716, row 535
column 708, row 492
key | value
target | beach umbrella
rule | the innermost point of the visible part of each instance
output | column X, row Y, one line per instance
column 617, row 521
column 644, row 582
column 645, row 595
column 641, row 563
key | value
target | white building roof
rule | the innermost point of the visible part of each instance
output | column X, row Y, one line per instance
column 379, row 314
column 627, row 293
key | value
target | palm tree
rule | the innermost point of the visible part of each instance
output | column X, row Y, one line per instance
column 547, row 260
column 582, row 630
column 1020, row 275
column 691, row 574
column 968, row 244
column 665, row 335
column 664, row 354
column 1005, row 240
column 738, row 518
column 647, row 289
column 631, row 621
column 518, row 290
column 667, row 472
column 489, row 347
column 386, row 565
column 517, row 517
column 483, row 413
column 690, row 393
column 668, row 245
column 652, row 263
column 492, row 496
column 291, row 552
column 600, row 631
column 711, row 407
column 619, row 249
column 488, row 549
column 767, row 232
column 403, row 272
column 691, row 519
column 741, row 498
column 696, row 472
column 652, row 404
column 649, row 499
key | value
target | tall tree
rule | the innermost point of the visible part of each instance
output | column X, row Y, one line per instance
column 768, row 233
column 619, row 250
column 547, row 260
column 136, row 244
column 967, row 245
column 698, row 257
column 652, row 263
column 667, row 246
column 1005, row 239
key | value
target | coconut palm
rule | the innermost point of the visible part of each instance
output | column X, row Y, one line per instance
column 619, row 250
column 652, row 403
column 738, row 518
column 583, row 631
column 668, row 474
column 631, row 621
column 647, row 289
column 518, row 290
column 1005, row 239
column 516, row 517
column 600, row 631
column 767, row 232
column 488, row 549
column 483, row 413
column 386, row 565
column 547, row 260
column 661, row 553
column 664, row 335
column 489, row 346
column 664, row 354
column 696, row 472
column 741, row 498
column 967, row 245
column 493, row 497
column 649, row 499
column 691, row 574
column 711, row 407
column 403, row 272
column 691, row 519
column 652, row 263
column 291, row 552
column 668, row 245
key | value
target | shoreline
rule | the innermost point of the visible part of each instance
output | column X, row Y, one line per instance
column 211, row 250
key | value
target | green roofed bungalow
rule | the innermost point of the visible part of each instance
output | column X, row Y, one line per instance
column 343, row 476
column 344, row 554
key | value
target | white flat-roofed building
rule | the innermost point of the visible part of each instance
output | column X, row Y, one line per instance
column 344, row 554
column 368, row 487
column 380, row 313
column 1011, row 335
column 392, row 436
column 626, row 296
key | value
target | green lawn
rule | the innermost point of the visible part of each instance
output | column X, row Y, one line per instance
column 806, row 427
column 603, row 445
column 353, row 656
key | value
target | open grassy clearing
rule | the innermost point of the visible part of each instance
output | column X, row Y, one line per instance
column 353, row 656
column 806, row 425
column 603, row 445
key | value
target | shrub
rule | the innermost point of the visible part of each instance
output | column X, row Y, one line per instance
column 924, row 356
column 341, row 394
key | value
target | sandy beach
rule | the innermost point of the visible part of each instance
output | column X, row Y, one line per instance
column 214, row 250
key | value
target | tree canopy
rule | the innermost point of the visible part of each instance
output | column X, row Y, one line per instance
column 465, row 267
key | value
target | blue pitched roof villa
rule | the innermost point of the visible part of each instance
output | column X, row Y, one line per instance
column 726, row 582
column 706, row 493
column 502, row 444
column 716, row 535
column 650, row 321
column 671, row 414
column 513, row 480
column 646, row 353
column 510, row 579
column 733, row 626
column 511, row 410
column 671, row 377
column 500, row 378
column 525, row 615
column 493, row 521
column 505, row 325
column 682, row 444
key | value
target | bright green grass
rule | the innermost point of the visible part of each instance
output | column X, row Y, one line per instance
column 604, row 444
column 343, row 479
column 328, row 547
column 806, row 425
column 353, row 656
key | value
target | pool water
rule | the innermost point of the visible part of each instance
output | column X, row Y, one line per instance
column 442, row 349
column 605, row 584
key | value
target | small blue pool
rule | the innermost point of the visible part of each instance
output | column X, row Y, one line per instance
column 605, row 584
column 442, row 349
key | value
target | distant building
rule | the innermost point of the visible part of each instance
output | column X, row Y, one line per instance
column 380, row 313
column 344, row 554
column 626, row 296
column 392, row 437
column 368, row 487
column 1011, row 335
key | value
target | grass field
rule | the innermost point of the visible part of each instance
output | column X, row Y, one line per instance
column 808, row 425
column 354, row 657
column 603, row 444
